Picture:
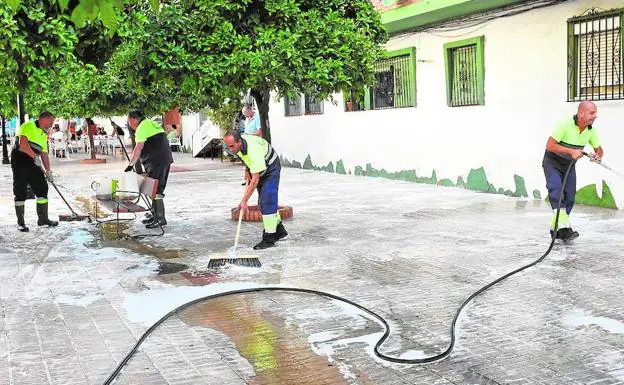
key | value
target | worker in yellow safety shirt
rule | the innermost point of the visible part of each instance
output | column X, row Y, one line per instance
column 152, row 148
column 262, row 171
column 32, row 143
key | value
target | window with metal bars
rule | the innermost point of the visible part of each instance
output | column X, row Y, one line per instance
column 313, row 105
column 465, row 72
column 595, row 60
column 395, row 81
column 353, row 101
column 292, row 106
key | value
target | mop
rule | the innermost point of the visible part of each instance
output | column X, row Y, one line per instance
column 67, row 217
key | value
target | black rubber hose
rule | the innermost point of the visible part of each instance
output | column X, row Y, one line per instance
column 383, row 338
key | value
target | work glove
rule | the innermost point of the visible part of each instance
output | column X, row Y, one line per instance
column 129, row 168
column 49, row 176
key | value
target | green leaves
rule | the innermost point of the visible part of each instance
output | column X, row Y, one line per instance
column 13, row 4
column 155, row 5
column 195, row 53
column 79, row 16
column 109, row 16
column 63, row 4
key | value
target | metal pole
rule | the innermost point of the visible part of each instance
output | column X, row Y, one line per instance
column 20, row 109
column 5, row 153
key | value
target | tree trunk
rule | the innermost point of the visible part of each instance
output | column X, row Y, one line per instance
column 262, row 97
column 91, row 142
column 5, row 153
column 20, row 108
column 22, row 83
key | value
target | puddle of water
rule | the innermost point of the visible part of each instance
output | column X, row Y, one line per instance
column 579, row 317
column 158, row 267
column 89, row 296
column 149, row 306
column 413, row 354
column 143, row 248
column 325, row 344
column 82, row 301
column 108, row 231
column 87, row 205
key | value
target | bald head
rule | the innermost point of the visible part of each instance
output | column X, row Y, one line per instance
column 586, row 114
column 233, row 141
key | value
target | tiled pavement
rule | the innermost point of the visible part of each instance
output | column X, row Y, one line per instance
column 73, row 301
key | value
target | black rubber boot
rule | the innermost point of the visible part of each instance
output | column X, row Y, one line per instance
column 149, row 216
column 280, row 231
column 567, row 234
column 21, row 225
column 159, row 215
column 268, row 240
column 42, row 213
column 560, row 234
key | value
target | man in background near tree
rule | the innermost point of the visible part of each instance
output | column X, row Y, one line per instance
column 252, row 125
column 32, row 142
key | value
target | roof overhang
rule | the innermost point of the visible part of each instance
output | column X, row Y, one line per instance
column 429, row 12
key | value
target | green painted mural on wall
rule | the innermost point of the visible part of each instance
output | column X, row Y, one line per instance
column 340, row 167
column 588, row 195
column 476, row 181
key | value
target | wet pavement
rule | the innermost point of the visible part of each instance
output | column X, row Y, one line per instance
column 74, row 300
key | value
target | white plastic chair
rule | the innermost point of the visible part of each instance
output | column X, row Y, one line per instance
column 60, row 145
column 175, row 142
column 113, row 143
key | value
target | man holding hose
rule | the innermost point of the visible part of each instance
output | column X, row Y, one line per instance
column 262, row 171
column 564, row 146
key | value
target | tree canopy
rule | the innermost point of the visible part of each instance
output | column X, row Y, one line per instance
column 191, row 54
column 217, row 48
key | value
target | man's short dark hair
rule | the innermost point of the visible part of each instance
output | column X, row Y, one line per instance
column 135, row 114
column 46, row 114
column 235, row 134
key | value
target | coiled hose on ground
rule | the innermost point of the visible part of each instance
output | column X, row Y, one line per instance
column 437, row 357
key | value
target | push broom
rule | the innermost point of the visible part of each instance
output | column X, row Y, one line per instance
column 73, row 216
column 233, row 258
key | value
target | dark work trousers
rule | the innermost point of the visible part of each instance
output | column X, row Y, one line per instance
column 25, row 173
column 268, row 188
column 160, row 172
column 554, row 183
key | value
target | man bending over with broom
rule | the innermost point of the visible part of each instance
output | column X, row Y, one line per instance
column 262, row 171
column 152, row 148
column 32, row 142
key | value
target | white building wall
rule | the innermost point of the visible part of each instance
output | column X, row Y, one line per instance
column 525, row 95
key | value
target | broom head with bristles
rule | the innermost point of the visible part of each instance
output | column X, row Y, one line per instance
column 73, row 218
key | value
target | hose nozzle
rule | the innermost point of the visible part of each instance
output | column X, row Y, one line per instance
column 591, row 157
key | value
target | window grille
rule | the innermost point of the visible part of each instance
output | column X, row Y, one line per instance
column 463, row 73
column 293, row 105
column 595, row 69
column 394, row 86
column 313, row 105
